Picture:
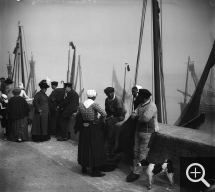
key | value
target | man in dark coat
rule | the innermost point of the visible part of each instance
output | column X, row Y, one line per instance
column 66, row 109
column 135, row 91
column 115, row 110
column 55, row 98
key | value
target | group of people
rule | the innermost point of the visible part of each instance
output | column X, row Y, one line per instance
column 96, row 126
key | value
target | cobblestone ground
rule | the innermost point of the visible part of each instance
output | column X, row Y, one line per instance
column 52, row 167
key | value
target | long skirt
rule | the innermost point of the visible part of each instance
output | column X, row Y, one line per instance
column 91, row 151
column 18, row 129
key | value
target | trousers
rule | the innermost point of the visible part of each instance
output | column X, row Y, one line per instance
column 140, row 149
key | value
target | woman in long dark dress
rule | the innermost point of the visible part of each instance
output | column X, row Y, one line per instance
column 91, row 152
column 17, row 112
column 41, row 121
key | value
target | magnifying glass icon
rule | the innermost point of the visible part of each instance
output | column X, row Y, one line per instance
column 195, row 172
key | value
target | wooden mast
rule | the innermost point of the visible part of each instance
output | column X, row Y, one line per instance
column 156, row 45
column 185, row 91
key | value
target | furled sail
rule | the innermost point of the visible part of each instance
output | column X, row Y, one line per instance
column 22, row 71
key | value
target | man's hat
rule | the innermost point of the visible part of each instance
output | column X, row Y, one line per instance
column 43, row 84
column 109, row 90
column 9, row 81
column 54, row 83
column 144, row 93
column 67, row 84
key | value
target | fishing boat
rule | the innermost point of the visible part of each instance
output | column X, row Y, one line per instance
column 201, row 103
column 207, row 102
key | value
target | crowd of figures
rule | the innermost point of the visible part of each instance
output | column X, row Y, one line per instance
column 97, row 148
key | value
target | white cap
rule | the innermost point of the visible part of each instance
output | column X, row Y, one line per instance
column 138, row 87
column 91, row 93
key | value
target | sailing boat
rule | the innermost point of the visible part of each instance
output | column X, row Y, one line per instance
column 198, row 100
column 79, row 74
column 22, row 71
column 207, row 103
column 71, row 77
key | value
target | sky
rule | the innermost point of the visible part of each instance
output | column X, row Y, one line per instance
column 106, row 35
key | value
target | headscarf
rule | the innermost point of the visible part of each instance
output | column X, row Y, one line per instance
column 91, row 93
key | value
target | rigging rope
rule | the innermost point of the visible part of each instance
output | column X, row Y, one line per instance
column 140, row 39
column 161, row 71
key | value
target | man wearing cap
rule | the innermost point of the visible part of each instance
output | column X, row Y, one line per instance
column 115, row 110
column 55, row 98
column 135, row 91
column 146, row 116
column 66, row 109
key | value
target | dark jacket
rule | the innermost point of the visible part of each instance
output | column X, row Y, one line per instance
column 55, row 98
column 17, row 108
column 115, row 107
column 70, row 104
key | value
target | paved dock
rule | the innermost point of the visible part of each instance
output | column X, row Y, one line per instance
column 52, row 167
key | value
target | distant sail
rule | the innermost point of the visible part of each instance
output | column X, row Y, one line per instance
column 116, row 85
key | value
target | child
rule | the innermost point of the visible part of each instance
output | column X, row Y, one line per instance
column 3, row 105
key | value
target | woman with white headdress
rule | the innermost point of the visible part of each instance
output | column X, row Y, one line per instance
column 91, row 152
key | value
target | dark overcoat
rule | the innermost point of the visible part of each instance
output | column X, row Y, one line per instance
column 55, row 98
column 40, row 102
column 70, row 104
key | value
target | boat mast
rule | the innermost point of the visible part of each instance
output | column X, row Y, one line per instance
column 21, row 50
column 72, row 76
column 68, row 72
column 80, row 77
column 185, row 91
column 157, row 67
column 9, row 68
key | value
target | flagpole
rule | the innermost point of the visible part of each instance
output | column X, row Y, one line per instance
column 123, row 97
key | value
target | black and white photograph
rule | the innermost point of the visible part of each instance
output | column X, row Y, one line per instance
column 107, row 95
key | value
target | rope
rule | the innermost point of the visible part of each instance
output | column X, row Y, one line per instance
column 140, row 40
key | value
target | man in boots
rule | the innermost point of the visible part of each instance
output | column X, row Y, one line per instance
column 146, row 116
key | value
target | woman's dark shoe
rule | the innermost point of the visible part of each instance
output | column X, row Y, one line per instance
column 84, row 170
column 97, row 174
